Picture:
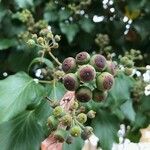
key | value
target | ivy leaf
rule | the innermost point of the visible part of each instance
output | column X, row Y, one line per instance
column 105, row 127
column 51, row 16
column 55, row 90
column 64, row 14
column 26, row 130
column 24, row 3
column 120, row 91
column 70, row 30
column 140, row 121
column 6, row 43
column 86, row 24
column 16, row 93
column 128, row 110
column 41, row 60
column 77, row 144
column 145, row 103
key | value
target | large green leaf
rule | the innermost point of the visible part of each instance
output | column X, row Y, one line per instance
column 86, row 24
column 26, row 130
column 140, row 121
column 70, row 30
column 16, row 93
column 128, row 110
column 55, row 90
column 105, row 127
column 51, row 16
column 76, row 145
column 6, row 43
column 120, row 91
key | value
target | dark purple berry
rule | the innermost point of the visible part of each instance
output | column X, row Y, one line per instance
column 82, row 58
column 99, row 96
column 83, row 94
column 69, row 65
column 86, row 73
column 98, row 62
column 111, row 67
column 104, row 81
column 71, row 82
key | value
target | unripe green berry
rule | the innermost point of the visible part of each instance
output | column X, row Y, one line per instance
column 82, row 58
column 128, row 71
column 52, row 122
column 99, row 96
column 104, row 81
column 31, row 42
column 34, row 36
column 123, row 60
column 83, row 94
column 111, row 67
column 60, row 135
column 75, row 105
column 49, row 35
column 82, row 118
column 58, row 111
column 91, row 114
column 69, row 65
column 98, row 62
column 71, row 82
column 57, row 38
column 66, row 120
column 86, row 133
column 86, row 73
column 40, row 40
column 129, row 64
column 44, row 32
column 75, row 131
column 55, row 45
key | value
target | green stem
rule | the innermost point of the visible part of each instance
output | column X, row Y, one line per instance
column 45, row 81
column 141, row 68
column 55, row 59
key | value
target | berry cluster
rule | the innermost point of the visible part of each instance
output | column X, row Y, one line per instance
column 69, row 124
column 90, row 77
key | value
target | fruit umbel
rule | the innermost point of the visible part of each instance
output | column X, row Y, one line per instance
column 71, row 82
column 82, row 118
column 82, row 58
column 83, row 94
column 69, row 65
column 104, row 81
column 98, row 61
column 86, row 73
column 75, row 131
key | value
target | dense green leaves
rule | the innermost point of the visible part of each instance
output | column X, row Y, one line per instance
column 70, row 30
column 25, row 131
column 24, row 3
column 16, row 93
column 105, row 127
column 6, row 43
column 86, row 25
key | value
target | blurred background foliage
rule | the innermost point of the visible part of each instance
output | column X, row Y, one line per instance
column 79, row 23
column 127, row 22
